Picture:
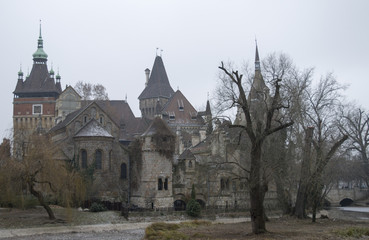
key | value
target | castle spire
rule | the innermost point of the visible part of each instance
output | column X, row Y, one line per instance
column 257, row 60
column 40, row 56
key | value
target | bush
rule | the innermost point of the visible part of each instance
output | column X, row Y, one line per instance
column 97, row 207
column 355, row 232
column 193, row 208
column 159, row 231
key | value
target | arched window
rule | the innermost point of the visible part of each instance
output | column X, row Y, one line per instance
column 190, row 164
column 98, row 159
column 84, row 158
column 123, row 171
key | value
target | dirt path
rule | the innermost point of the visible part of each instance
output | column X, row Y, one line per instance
column 95, row 229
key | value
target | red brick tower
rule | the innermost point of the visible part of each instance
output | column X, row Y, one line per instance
column 34, row 100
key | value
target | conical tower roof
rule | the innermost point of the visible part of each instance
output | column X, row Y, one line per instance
column 158, row 84
column 39, row 83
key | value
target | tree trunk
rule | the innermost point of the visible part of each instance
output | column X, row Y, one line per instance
column 41, row 200
column 301, row 198
column 257, row 191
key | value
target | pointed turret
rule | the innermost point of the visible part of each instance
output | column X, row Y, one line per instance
column 259, row 93
column 158, row 84
column 40, row 82
column 257, row 60
column 20, row 74
column 40, row 55
column 157, row 88
column 259, row 90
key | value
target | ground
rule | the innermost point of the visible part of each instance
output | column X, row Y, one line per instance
column 72, row 224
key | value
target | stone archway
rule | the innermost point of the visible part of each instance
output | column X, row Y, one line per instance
column 179, row 205
column 201, row 202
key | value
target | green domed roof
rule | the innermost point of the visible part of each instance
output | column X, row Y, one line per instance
column 40, row 54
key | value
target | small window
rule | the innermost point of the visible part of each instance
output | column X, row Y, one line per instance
column 166, row 184
column 84, row 159
column 110, row 159
column 98, row 159
column 180, row 105
column 190, row 164
column 123, row 171
column 172, row 116
column 160, row 184
column 101, row 119
column 37, row 109
column 222, row 184
column 84, row 119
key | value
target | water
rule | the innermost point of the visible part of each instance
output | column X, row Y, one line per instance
column 359, row 213
column 355, row 209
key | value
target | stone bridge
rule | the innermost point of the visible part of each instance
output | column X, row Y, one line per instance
column 335, row 195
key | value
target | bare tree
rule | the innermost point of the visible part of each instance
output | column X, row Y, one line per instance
column 259, row 125
column 355, row 124
column 89, row 91
column 320, row 111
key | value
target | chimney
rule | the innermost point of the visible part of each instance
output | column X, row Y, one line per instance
column 147, row 72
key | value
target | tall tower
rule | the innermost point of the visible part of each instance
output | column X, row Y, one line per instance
column 258, row 97
column 157, row 90
column 34, row 100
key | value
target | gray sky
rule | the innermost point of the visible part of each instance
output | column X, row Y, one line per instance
column 112, row 42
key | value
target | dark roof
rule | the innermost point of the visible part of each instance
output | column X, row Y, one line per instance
column 120, row 113
column 158, row 85
column 38, row 84
column 182, row 109
column 68, row 119
column 158, row 126
column 187, row 154
column 93, row 129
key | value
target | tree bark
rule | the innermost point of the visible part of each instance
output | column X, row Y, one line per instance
column 257, row 191
column 301, row 198
column 41, row 200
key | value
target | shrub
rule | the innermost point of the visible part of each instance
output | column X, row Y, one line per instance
column 355, row 232
column 97, row 207
column 193, row 208
column 159, row 231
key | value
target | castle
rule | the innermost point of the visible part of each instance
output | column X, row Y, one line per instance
column 150, row 161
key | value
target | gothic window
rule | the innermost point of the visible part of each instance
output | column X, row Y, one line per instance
column 190, row 164
column 160, row 184
column 98, row 159
column 101, row 119
column 123, row 171
column 85, row 119
column 84, row 158
column 166, row 184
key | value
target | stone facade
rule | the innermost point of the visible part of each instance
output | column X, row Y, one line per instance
column 151, row 162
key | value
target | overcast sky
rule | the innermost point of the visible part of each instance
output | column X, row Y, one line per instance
column 112, row 42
